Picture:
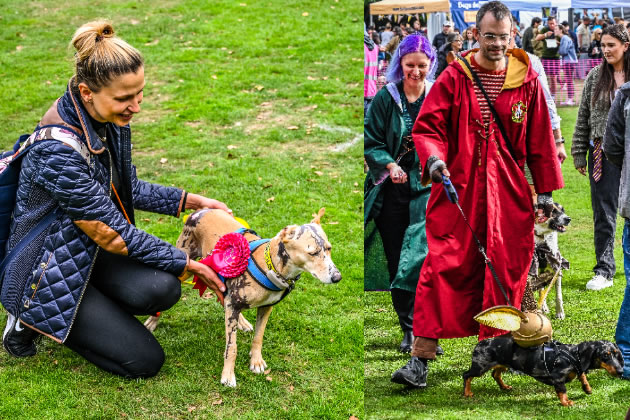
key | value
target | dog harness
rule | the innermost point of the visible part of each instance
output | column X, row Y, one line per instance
column 553, row 354
column 272, row 280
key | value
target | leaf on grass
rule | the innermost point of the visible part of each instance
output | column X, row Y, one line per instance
column 305, row 14
column 154, row 42
column 293, row 127
column 311, row 78
column 214, row 76
column 332, row 339
column 268, row 378
column 48, row 82
column 207, row 295
column 320, row 173
column 163, row 161
column 55, row 362
column 381, row 310
column 217, row 402
column 191, row 408
column 232, row 147
column 291, row 388
column 270, row 199
column 134, row 22
column 356, row 184
column 267, row 186
column 267, row 371
column 332, row 223
column 19, row 48
column 259, row 87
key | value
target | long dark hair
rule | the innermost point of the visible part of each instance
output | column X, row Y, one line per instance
column 606, row 83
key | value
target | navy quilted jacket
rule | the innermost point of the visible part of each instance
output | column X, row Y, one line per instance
column 45, row 283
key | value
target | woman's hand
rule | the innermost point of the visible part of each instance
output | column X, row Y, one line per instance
column 196, row 202
column 561, row 152
column 397, row 174
column 582, row 170
column 208, row 276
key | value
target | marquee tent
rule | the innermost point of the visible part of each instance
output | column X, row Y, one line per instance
column 399, row 7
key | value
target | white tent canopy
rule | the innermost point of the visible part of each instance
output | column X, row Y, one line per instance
column 409, row 7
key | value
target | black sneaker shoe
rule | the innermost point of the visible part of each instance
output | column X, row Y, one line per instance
column 439, row 351
column 407, row 342
column 413, row 374
column 18, row 341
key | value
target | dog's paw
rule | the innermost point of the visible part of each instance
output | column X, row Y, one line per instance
column 559, row 315
column 257, row 365
column 244, row 324
column 468, row 394
column 151, row 323
column 229, row 380
column 545, row 308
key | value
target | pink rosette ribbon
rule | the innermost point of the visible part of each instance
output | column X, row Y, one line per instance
column 228, row 258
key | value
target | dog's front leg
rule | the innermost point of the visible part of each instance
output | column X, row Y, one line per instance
column 256, row 362
column 559, row 302
column 586, row 387
column 229, row 357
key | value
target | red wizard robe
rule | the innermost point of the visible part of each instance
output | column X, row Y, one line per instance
column 455, row 284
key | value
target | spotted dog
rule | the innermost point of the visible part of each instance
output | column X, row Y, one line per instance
column 547, row 260
column 552, row 363
column 293, row 250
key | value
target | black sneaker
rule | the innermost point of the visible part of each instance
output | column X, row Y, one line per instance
column 413, row 374
column 407, row 342
column 439, row 351
column 18, row 340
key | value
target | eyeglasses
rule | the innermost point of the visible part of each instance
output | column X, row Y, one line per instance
column 492, row 38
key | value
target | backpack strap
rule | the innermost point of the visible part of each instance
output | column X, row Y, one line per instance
column 59, row 133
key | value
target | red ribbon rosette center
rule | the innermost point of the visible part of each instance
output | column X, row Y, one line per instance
column 228, row 258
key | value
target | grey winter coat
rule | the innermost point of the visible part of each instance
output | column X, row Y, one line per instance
column 617, row 144
column 591, row 119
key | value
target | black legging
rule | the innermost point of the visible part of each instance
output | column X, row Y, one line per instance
column 105, row 330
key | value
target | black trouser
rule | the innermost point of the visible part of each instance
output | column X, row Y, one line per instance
column 105, row 330
column 604, row 200
column 392, row 223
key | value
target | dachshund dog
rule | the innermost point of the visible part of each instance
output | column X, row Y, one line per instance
column 552, row 363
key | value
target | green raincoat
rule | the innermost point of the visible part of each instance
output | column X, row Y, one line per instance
column 383, row 131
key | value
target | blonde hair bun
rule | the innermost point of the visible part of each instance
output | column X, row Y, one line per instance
column 101, row 55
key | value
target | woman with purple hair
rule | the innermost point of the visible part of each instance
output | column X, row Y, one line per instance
column 394, row 198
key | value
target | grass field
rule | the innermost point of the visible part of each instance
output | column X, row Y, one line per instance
column 589, row 316
column 256, row 104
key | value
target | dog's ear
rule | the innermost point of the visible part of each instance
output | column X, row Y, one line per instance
column 288, row 233
column 317, row 217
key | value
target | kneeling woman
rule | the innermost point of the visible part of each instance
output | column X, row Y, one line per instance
column 394, row 197
column 82, row 281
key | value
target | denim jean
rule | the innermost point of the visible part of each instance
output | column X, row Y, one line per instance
column 622, row 335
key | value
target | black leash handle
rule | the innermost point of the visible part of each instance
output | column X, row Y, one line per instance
column 494, row 111
column 451, row 193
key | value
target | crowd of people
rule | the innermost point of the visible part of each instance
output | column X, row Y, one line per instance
column 476, row 109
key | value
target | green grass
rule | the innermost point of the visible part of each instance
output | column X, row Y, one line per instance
column 246, row 102
column 589, row 316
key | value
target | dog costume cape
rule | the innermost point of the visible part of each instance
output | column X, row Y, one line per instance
column 455, row 283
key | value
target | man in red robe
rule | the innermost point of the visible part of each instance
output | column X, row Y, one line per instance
column 455, row 135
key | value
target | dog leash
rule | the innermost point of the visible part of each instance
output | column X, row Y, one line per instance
column 451, row 193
